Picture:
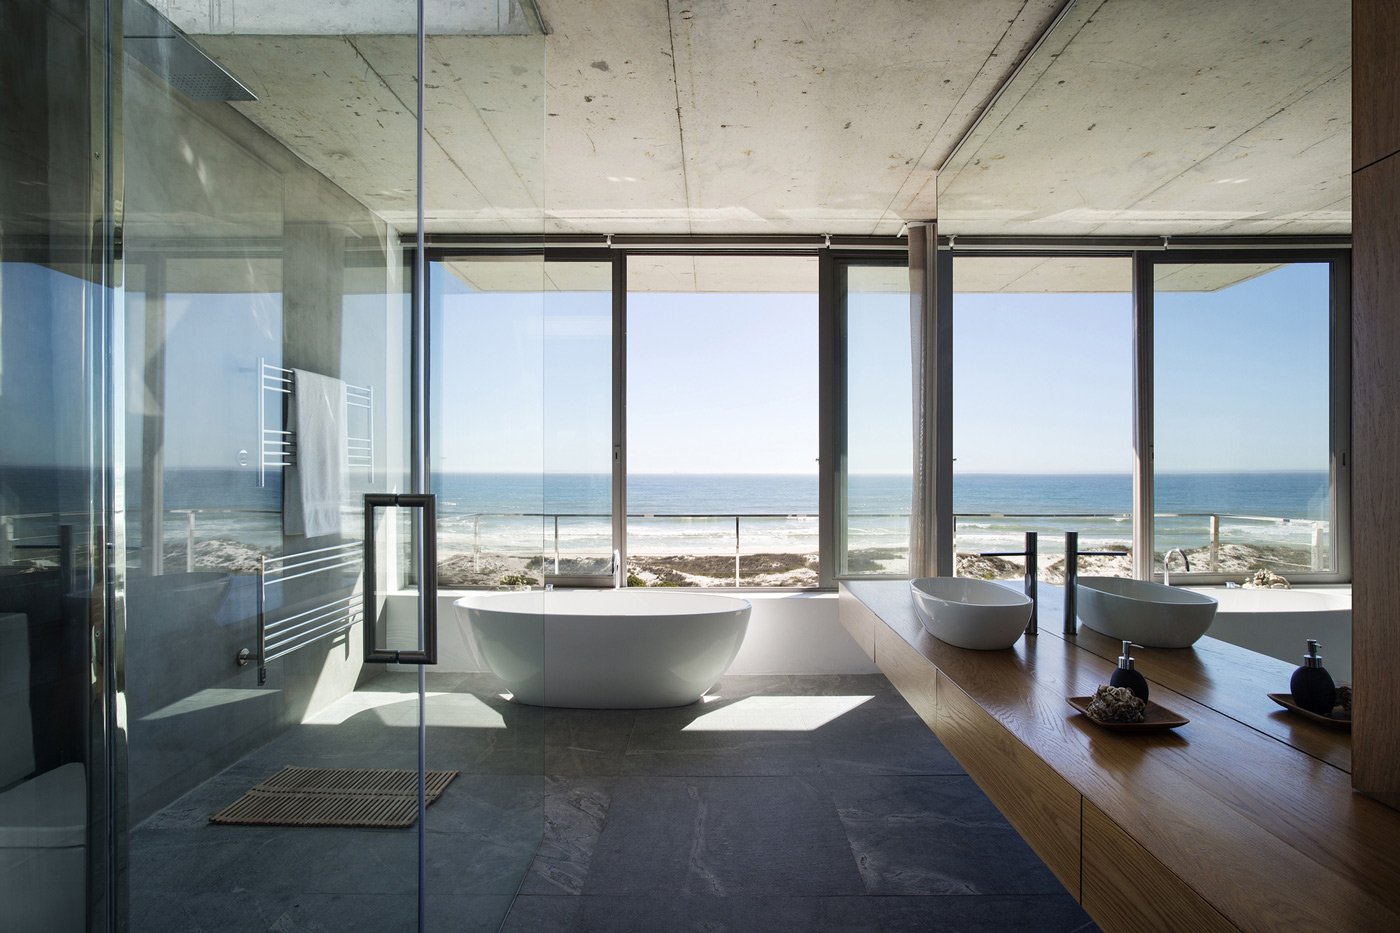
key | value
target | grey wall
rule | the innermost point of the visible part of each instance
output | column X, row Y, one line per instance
column 233, row 248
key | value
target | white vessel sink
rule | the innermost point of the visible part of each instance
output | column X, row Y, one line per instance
column 1148, row 614
column 970, row 613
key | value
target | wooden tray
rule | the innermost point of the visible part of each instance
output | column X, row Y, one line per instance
column 1158, row 718
column 1335, row 721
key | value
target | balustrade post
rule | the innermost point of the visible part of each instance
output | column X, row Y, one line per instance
column 1317, row 546
column 189, row 541
column 1215, row 543
column 476, row 544
column 736, row 552
column 556, row 545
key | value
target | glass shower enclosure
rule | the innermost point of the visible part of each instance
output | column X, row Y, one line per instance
column 210, row 355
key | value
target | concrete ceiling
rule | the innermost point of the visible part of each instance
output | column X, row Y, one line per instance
column 668, row 274
column 1188, row 117
column 659, row 117
column 827, row 116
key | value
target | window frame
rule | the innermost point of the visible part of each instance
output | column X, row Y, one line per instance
column 616, row 251
column 1339, row 404
column 840, row 423
column 837, row 255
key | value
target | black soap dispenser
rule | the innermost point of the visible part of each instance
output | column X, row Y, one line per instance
column 1127, row 675
column 1313, row 689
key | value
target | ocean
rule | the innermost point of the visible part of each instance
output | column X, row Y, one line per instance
column 679, row 513
column 990, row 509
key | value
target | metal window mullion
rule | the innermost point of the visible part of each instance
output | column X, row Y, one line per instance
column 1341, row 417
column 1144, row 481
column 619, row 408
column 830, row 434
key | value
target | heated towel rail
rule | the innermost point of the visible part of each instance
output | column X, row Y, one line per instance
column 279, row 445
column 281, row 632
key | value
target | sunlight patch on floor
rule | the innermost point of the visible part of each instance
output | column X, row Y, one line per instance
column 207, row 699
column 776, row 714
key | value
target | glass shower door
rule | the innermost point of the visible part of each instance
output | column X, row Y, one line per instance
column 264, row 388
column 55, row 808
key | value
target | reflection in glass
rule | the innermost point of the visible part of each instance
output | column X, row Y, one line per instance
column 53, row 539
column 1242, row 416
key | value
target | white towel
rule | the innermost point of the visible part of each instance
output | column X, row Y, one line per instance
column 314, row 488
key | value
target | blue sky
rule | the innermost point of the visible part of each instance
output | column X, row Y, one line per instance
column 727, row 383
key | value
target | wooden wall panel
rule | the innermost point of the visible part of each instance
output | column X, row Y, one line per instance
column 1042, row 806
column 1126, row 889
column 1375, row 87
column 858, row 620
column 1376, row 476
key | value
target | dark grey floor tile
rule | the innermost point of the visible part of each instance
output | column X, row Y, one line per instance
column 487, row 751
column 467, row 914
column 935, row 835
column 738, row 914
column 490, row 805
column 722, row 836
column 1046, row 913
column 586, row 741
column 542, row 914
column 192, row 810
column 483, row 833
column 876, row 687
column 349, row 913
column 880, row 740
column 273, row 860
column 575, row 811
column 164, row 911
column 777, row 746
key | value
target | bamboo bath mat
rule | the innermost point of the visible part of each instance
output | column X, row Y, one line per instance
column 334, row 797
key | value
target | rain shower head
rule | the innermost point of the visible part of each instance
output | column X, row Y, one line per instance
column 154, row 41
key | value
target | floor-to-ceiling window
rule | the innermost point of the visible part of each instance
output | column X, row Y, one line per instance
column 1042, row 411
column 1246, row 443
column 875, row 415
column 522, row 419
column 722, row 420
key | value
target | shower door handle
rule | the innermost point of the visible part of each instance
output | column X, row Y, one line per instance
column 427, row 579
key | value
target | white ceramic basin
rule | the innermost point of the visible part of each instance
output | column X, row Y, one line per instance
column 970, row 613
column 1148, row 614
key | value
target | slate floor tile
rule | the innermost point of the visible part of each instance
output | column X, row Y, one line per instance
column 879, row 740
column 722, row 836
column 575, row 810
column 935, row 835
column 734, row 914
column 1045, row 913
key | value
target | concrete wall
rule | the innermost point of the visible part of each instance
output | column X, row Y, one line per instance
column 233, row 249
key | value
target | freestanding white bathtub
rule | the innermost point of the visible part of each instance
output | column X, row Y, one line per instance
column 606, row 649
column 1280, row 622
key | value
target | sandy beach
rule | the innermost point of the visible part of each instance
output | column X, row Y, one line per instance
column 771, row 569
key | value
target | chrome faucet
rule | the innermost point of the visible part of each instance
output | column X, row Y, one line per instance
column 1167, row 574
column 1072, row 554
column 617, row 569
column 1033, row 626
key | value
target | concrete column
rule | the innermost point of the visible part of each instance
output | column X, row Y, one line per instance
column 931, row 338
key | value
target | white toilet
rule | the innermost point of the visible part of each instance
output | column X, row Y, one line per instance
column 43, row 817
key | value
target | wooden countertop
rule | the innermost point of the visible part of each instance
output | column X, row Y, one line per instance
column 1248, row 804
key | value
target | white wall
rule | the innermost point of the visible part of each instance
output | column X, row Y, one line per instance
column 789, row 633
